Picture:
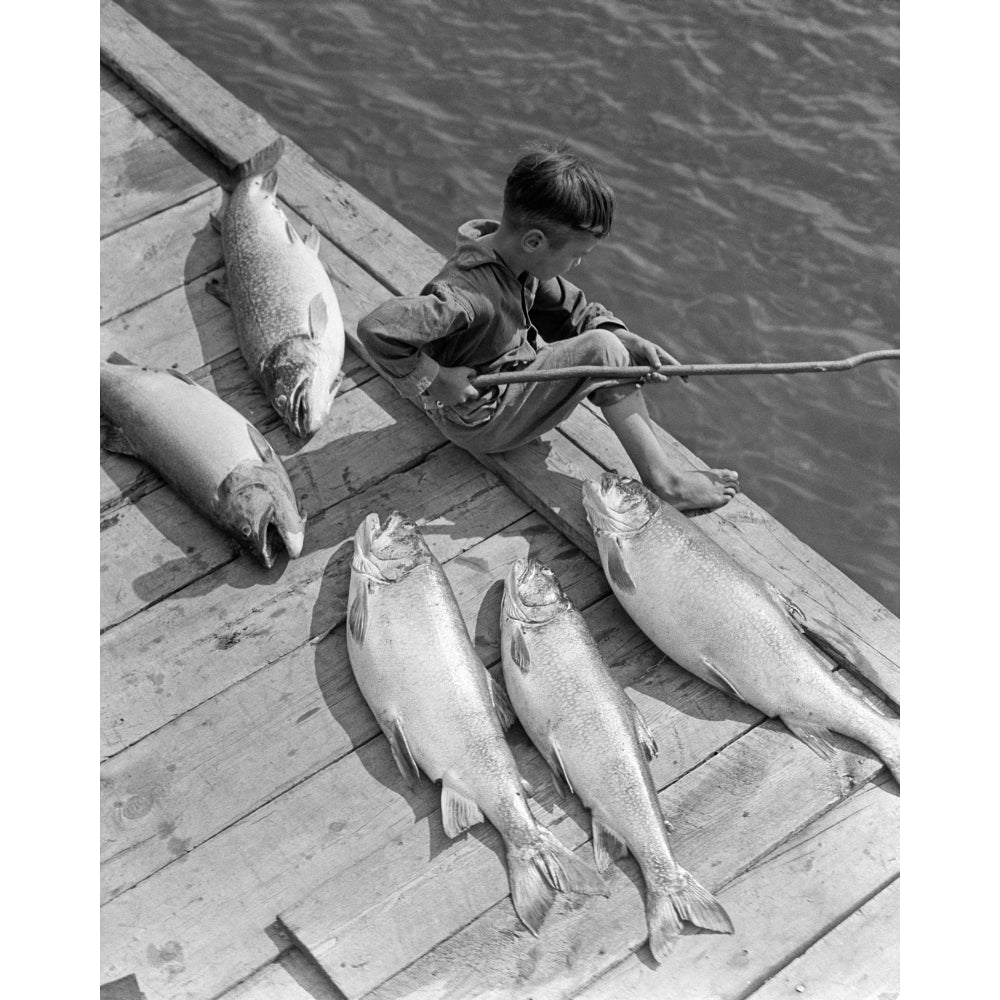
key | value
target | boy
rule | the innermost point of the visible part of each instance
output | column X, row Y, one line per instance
column 501, row 304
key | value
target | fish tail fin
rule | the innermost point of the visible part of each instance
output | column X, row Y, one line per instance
column 541, row 869
column 667, row 909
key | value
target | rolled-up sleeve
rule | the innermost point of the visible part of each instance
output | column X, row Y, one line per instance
column 397, row 333
column 561, row 311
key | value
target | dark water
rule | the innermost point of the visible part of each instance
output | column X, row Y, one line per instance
column 753, row 147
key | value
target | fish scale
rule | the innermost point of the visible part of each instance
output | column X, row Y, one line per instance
column 287, row 317
column 597, row 744
column 441, row 711
column 726, row 625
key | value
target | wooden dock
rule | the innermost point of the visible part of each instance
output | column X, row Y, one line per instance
column 257, row 840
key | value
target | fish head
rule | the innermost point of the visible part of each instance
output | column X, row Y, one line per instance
column 618, row 504
column 256, row 504
column 533, row 592
column 388, row 552
column 262, row 186
column 297, row 380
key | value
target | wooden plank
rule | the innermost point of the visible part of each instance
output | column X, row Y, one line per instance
column 166, row 251
column 208, row 635
column 290, row 977
column 159, row 544
column 858, row 959
column 213, row 905
column 727, row 814
column 758, row 541
column 253, row 718
column 235, row 136
column 788, row 899
column 147, row 165
column 188, row 329
column 411, row 903
column 117, row 97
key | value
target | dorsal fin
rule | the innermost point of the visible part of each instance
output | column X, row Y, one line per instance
column 114, row 358
column 293, row 236
column 318, row 316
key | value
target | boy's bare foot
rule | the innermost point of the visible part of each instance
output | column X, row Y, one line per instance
column 698, row 489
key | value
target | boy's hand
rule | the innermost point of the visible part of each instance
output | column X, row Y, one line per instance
column 452, row 386
column 646, row 351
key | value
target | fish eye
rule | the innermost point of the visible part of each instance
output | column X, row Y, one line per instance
column 247, row 530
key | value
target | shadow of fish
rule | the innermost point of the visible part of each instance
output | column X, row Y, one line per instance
column 724, row 623
column 597, row 744
column 441, row 711
column 205, row 450
column 287, row 317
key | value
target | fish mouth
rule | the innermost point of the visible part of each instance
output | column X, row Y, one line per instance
column 387, row 552
column 270, row 531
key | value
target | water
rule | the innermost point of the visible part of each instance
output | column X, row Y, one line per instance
column 753, row 148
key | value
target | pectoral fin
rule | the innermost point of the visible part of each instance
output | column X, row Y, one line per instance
column 518, row 648
column 357, row 614
column 646, row 739
column 318, row 316
column 716, row 677
column 618, row 574
column 401, row 752
column 312, row 240
column 458, row 811
column 217, row 218
column 607, row 846
column 293, row 236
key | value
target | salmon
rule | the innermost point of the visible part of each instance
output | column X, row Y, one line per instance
column 725, row 624
column 441, row 711
column 287, row 316
column 206, row 451
column 597, row 744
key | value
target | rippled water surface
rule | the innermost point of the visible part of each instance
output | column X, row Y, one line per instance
column 753, row 147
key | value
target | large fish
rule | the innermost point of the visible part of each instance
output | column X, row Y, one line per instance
column 287, row 317
column 724, row 623
column 206, row 451
column 442, row 712
column 597, row 745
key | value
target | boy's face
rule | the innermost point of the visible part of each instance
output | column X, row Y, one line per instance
column 547, row 261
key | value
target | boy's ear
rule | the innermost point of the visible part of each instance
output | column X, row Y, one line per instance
column 532, row 240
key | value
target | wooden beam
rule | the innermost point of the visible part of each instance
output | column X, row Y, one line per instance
column 237, row 137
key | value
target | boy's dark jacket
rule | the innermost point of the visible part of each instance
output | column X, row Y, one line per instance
column 476, row 312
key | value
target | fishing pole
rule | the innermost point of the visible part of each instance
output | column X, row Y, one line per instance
column 642, row 373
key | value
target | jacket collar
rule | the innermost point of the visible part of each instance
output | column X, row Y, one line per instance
column 469, row 251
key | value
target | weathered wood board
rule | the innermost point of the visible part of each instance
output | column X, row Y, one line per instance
column 246, row 778
column 793, row 894
column 857, row 959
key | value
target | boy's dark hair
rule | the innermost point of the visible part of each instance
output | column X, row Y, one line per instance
column 553, row 189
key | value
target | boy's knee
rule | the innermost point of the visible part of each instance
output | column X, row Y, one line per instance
column 606, row 348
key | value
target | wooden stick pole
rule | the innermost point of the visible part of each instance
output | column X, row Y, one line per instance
column 640, row 373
